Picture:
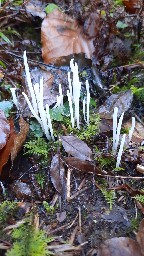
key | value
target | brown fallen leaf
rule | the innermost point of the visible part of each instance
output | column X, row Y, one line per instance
column 140, row 236
column 82, row 165
column 119, row 246
column 132, row 6
column 5, row 152
column 57, row 174
column 4, row 129
column 122, row 100
column 138, row 134
column 76, row 147
column 61, row 36
column 19, row 138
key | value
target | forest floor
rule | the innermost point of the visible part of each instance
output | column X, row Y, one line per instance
column 66, row 196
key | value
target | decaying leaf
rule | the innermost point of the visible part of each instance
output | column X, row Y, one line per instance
column 14, row 142
column 57, row 174
column 119, row 246
column 140, row 236
column 19, row 138
column 81, row 165
column 132, row 6
column 61, row 36
column 138, row 134
column 76, row 147
column 5, row 152
column 122, row 100
column 4, row 129
column 35, row 8
column 140, row 168
column 50, row 95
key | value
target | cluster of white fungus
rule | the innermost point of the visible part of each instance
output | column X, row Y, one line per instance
column 42, row 114
column 116, row 134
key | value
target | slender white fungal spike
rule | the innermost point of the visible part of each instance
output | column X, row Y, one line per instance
column 119, row 129
column 88, row 101
column 84, row 102
column 71, row 108
column 120, row 151
column 132, row 128
column 75, row 88
column 31, row 108
column 70, row 84
column 49, row 121
column 37, row 106
column 13, row 92
column 61, row 95
column 33, row 96
column 114, row 127
column 3, row 188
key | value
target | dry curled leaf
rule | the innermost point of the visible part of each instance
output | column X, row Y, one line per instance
column 76, row 147
column 4, row 129
column 61, row 36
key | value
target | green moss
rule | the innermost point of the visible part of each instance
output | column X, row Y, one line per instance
column 40, row 178
column 106, row 161
column 7, row 210
column 139, row 93
column 42, row 149
column 139, row 198
column 29, row 241
column 49, row 209
column 109, row 196
column 85, row 132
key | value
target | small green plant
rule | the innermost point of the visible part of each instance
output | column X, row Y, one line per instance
column 138, row 92
column 139, row 198
column 91, row 130
column 117, row 2
column 43, row 150
column 109, row 196
column 40, row 178
column 49, row 209
column 86, row 132
column 134, row 223
column 7, row 210
column 29, row 241
column 37, row 147
column 105, row 161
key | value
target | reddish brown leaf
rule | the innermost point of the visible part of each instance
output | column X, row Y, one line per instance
column 61, row 36
column 5, row 152
column 76, row 147
column 81, row 165
column 121, row 246
column 132, row 6
column 20, row 138
column 4, row 129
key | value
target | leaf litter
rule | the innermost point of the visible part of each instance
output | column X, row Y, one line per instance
column 99, row 33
